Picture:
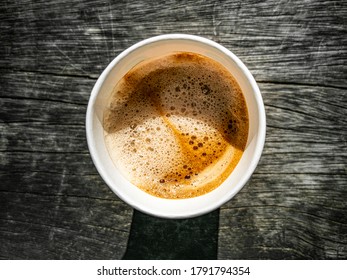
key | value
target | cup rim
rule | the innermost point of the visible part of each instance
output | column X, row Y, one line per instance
column 260, row 135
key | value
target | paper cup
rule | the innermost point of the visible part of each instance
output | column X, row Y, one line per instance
column 129, row 193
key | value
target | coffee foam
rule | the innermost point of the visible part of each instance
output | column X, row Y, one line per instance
column 176, row 125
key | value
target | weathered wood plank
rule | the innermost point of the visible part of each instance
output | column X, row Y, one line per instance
column 44, row 182
column 299, row 216
column 47, row 111
column 42, row 137
column 45, row 199
column 99, row 227
column 294, row 205
column 45, row 87
column 44, row 162
column 305, row 107
column 271, row 37
column 53, row 203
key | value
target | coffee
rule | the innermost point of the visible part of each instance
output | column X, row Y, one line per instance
column 176, row 126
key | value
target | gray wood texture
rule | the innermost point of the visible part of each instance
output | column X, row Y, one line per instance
column 54, row 205
column 294, row 206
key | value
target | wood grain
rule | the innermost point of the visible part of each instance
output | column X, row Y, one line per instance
column 81, row 37
column 294, row 207
column 53, row 203
column 286, row 217
column 62, row 226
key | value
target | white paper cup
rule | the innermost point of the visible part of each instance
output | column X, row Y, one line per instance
column 140, row 200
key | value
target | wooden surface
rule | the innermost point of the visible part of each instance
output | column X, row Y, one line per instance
column 53, row 203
